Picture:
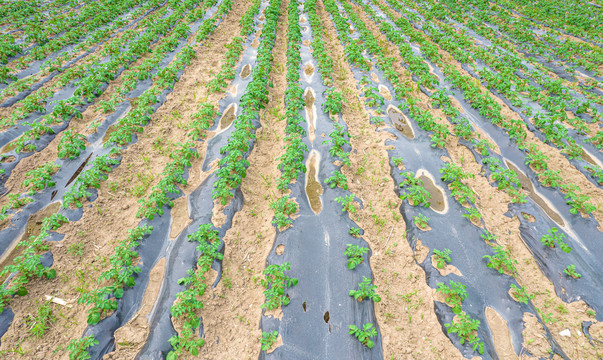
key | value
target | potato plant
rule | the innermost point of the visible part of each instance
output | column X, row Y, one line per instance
column 276, row 283
column 366, row 291
column 466, row 328
column 40, row 178
column 355, row 255
column 441, row 257
column 501, row 261
column 268, row 338
column 364, row 334
column 71, row 145
column 455, row 294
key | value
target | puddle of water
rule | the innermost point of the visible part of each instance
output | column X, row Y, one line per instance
column 246, row 71
column 400, row 121
column 309, row 99
column 439, row 202
column 527, row 185
column 384, row 91
column 309, row 69
column 8, row 147
column 228, row 117
column 313, row 187
column 34, row 225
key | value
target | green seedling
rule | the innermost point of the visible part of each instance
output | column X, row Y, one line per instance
column 38, row 324
column 501, row 261
column 355, row 232
column 466, row 328
column 520, row 294
column 268, row 338
column 276, row 283
column 455, row 294
column 473, row 215
column 421, row 221
column 367, row 291
column 354, row 254
column 571, row 271
column 71, row 145
column 555, row 237
column 78, row 348
column 40, row 178
column 441, row 257
column 365, row 334
column 283, row 209
column 398, row 161
column 337, row 179
column 347, row 202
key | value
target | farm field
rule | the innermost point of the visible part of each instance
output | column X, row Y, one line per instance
column 301, row 179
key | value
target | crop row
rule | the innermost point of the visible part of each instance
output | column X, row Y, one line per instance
column 516, row 128
column 121, row 274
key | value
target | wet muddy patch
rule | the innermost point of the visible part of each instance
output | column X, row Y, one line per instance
column 8, row 147
column 309, row 99
column 256, row 42
column 527, row 185
column 309, row 70
column 180, row 217
column 400, row 121
column 384, row 91
column 313, row 188
column 439, row 202
column 228, row 117
column 246, row 71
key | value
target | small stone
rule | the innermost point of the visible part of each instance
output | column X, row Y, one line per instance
column 566, row 333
